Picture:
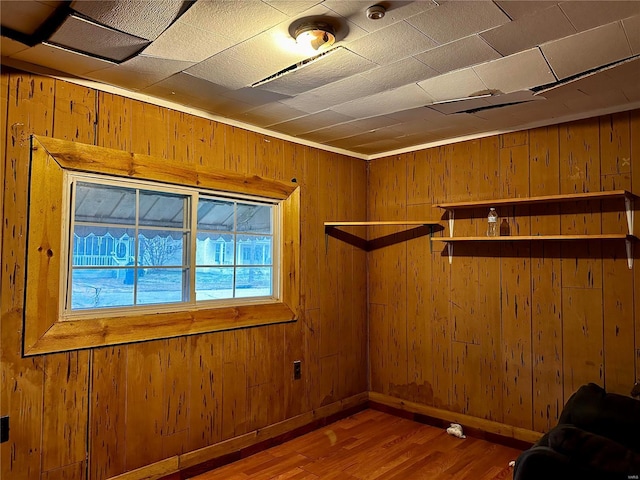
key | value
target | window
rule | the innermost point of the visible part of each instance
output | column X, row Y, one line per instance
column 121, row 249
column 132, row 246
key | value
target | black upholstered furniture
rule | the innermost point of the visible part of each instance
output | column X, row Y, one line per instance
column 597, row 438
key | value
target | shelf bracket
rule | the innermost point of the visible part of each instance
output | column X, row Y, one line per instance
column 629, row 245
column 450, row 251
column 628, row 206
column 452, row 222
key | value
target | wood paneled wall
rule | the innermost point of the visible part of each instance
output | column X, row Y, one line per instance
column 101, row 412
column 509, row 330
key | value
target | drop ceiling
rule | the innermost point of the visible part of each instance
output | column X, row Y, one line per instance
column 427, row 73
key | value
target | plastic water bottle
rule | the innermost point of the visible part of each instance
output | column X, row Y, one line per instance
column 492, row 219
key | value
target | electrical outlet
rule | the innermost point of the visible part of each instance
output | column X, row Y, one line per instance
column 4, row 429
column 297, row 370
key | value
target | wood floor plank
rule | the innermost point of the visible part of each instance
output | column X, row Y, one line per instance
column 373, row 445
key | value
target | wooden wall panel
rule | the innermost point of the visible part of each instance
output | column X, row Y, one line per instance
column 30, row 109
column 519, row 325
column 100, row 413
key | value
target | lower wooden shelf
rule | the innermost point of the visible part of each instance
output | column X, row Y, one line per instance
column 510, row 238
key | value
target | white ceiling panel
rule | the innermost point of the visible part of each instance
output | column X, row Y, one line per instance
column 420, row 114
column 454, row 85
column 225, row 69
column 329, row 95
column 235, row 20
column 390, row 101
column 310, row 123
column 139, row 18
column 185, row 42
column 89, row 37
column 459, row 54
column 586, row 50
column 632, row 29
column 391, row 44
column 292, row 7
column 26, row 17
column 521, row 8
column 408, row 70
column 335, row 65
column 61, row 60
column 10, row 47
column 460, row 106
column 356, row 11
column 139, row 72
column 519, row 71
column 271, row 114
column 589, row 14
column 529, row 31
column 184, row 89
column 330, row 134
column 457, row 19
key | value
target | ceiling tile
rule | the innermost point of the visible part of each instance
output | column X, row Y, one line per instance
column 333, row 133
column 460, row 106
column 331, row 67
column 60, row 59
column 403, row 72
column 310, row 123
column 632, row 29
column 356, row 11
column 292, row 7
column 139, row 72
column 589, row 14
column 140, row 18
column 182, row 41
column 88, row 37
column 419, row 114
column 529, row 31
column 10, row 47
column 520, row 71
column 329, row 95
column 226, row 70
column 520, row 8
column 450, row 86
column 254, row 96
column 235, row 20
column 459, row 54
column 586, row 50
column 391, row 44
column 25, row 17
column 270, row 114
column 386, row 102
column 184, row 88
column 454, row 20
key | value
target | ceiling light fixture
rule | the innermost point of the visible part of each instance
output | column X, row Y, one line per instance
column 315, row 36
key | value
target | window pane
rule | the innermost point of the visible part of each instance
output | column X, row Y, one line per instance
column 163, row 285
column 161, row 209
column 99, row 288
column 254, row 218
column 105, row 204
column 93, row 245
column 214, row 283
column 215, row 215
column 254, row 250
column 253, row 282
column 158, row 248
column 214, row 249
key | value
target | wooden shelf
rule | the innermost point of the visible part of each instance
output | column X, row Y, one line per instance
column 509, row 238
column 544, row 199
column 376, row 223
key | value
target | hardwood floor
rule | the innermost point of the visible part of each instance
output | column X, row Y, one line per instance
column 374, row 445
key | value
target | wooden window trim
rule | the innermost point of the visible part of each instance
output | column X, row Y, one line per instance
column 45, row 330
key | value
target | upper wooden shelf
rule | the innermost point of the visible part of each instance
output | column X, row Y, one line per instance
column 543, row 199
column 393, row 222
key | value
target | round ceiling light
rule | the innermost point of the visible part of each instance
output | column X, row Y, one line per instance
column 315, row 35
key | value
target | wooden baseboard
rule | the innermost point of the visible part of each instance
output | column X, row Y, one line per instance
column 189, row 464
column 477, row 427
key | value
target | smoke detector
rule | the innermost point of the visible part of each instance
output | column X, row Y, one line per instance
column 376, row 12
